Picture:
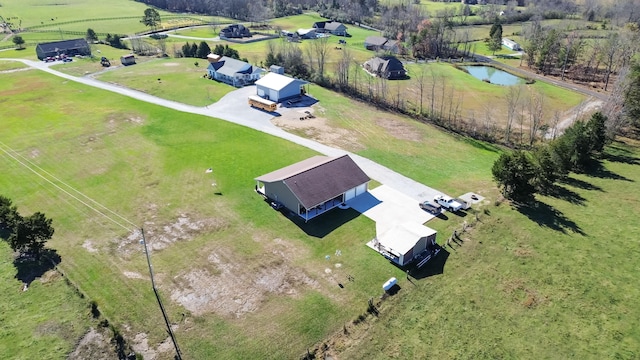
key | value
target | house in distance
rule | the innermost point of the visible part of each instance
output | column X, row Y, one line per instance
column 235, row 31
column 387, row 67
column 331, row 27
column 65, row 47
column 314, row 186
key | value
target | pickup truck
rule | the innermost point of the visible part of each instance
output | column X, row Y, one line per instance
column 448, row 203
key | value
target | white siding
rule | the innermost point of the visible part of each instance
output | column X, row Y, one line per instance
column 350, row 194
column 273, row 95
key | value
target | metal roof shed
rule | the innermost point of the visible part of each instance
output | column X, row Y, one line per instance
column 403, row 242
column 276, row 87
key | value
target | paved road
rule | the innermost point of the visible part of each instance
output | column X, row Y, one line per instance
column 233, row 107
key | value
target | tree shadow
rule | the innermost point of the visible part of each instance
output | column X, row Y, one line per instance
column 562, row 193
column 29, row 268
column 617, row 153
column 621, row 158
column 547, row 216
column 322, row 225
column 435, row 266
column 597, row 169
column 580, row 184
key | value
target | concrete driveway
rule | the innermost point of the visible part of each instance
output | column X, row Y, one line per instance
column 388, row 207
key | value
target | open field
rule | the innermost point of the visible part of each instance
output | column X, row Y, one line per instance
column 78, row 15
column 174, row 79
column 148, row 163
column 43, row 322
column 558, row 281
column 512, row 276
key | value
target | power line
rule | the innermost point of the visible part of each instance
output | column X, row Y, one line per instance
column 17, row 157
column 3, row 146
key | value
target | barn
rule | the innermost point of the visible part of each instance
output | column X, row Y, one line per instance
column 314, row 186
column 405, row 242
column 276, row 87
column 67, row 47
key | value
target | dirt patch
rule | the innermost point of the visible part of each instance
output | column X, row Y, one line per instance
column 88, row 244
column 114, row 120
column 94, row 345
column 133, row 275
column 159, row 237
column 34, row 153
column 399, row 129
column 316, row 128
column 140, row 345
column 236, row 290
column 570, row 116
column 171, row 64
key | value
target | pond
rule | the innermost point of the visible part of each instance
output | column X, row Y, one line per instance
column 494, row 75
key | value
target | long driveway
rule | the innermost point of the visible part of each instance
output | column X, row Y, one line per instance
column 233, row 108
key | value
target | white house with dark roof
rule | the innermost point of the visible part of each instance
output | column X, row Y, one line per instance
column 277, row 87
column 314, row 186
column 233, row 72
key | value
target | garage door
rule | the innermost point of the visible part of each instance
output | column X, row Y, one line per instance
column 350, row 194
column 273, row 95
column 260, row 92
column 361, row 189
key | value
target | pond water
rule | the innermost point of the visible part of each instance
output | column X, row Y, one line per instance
column 494, row 75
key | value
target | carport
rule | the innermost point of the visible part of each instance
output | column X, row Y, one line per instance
column 404, row 242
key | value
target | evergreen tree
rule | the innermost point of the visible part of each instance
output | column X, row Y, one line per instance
column 203, row 50
column 186, row 50
column 515, row 175
column 91, row 35
column 194, row 50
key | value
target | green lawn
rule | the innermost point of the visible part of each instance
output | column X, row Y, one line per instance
column 174, row 79
column 528, row 284
column 555, row 282
column 147, row 163
column 44, row 322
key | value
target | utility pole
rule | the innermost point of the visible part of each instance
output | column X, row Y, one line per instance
column 155, row 291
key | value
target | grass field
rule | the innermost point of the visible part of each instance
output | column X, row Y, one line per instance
column 135, row 157
column 43, row 322
column 557, row 281
column 180, row 80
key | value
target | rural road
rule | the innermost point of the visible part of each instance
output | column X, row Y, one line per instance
column 233, row 108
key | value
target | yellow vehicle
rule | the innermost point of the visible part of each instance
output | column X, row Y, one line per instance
column 264, row 104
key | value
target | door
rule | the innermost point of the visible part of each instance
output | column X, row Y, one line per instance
column 260, row 92
column 361, row 189
column 273, row 95
column 350, row 194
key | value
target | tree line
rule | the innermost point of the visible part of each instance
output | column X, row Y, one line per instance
column 26, row 235
column 521, row 174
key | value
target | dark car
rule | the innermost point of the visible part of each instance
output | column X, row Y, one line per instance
column 67, row 59
column 430, row 207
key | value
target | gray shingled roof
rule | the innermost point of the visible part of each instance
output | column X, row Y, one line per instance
column 318, row 179
column 375, row 40
column 229, row 66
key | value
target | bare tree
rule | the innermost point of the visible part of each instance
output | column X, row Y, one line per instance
column 536, row 113
column 612, row 48
column 319, row 48
column 512, row 98
column 613, row 108
column 342, row 68
column 420, row 82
